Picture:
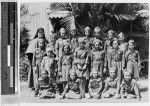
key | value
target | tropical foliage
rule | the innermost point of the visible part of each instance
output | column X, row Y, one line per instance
column 24, row 32
column 107, row 15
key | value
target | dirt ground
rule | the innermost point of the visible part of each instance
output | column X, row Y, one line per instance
column 27, row 95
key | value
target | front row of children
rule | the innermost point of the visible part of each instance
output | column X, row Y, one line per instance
column 97, row 87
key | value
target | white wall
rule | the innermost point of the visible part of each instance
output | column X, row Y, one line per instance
column 38, row 18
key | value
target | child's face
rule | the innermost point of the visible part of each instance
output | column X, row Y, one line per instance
column 97, row 33
column 97, row 46
column 112, row 74
column 73, row 32
column 110, row 34
column 63, row 33
column 94, row 75
column 87, row 33
column 127, row 77
column 131, row 46
column 115, row 44
column 81, row 44
column 48, row 52
column 66, row 49
column 40, row 35
column 44, row 75
column 26, row 57
column 41, row 43
column 108, row 43
column 72, row 76
column 121, row 37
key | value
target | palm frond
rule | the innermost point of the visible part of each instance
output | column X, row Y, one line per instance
column 60, row 6
column 68, row 21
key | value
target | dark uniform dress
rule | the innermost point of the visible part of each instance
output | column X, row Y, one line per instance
column 111, row 87
column 88, row 42
column 59, row 49
column 97, row 60
column 74, row 44
column 81, row 58
column 46, row 87
column 66, row 63
column 95, row 39
column 117, row 61
column 130, row 89
column 107, row 43
column 123, row 46
column 49, row 64
column 33, row 45
column 108, row 49
column 95, row 88
column 72, row 89
column 132, row 60
column 37, row 59
column 59, row 46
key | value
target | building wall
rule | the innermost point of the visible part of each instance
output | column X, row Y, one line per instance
column 37, row 17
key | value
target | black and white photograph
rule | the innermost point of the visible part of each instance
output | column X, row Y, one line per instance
column 84, row 52
column 74, row 52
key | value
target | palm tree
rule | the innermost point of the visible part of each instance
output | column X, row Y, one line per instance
column 116, row 13
column 107, row 15
column 73, row 18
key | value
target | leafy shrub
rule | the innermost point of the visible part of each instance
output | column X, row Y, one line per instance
column 24, row 69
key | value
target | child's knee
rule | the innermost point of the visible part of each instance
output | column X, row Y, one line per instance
column 67, row 95
column 96, row 96
column 117, row 96
column 88, row 96
column 106, row 95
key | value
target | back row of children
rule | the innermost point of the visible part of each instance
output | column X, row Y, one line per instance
column 87, row 66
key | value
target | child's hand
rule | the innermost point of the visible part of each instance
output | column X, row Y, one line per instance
column 78, row 66
column 77, row 80
column 84, row 67
column 105, row 70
